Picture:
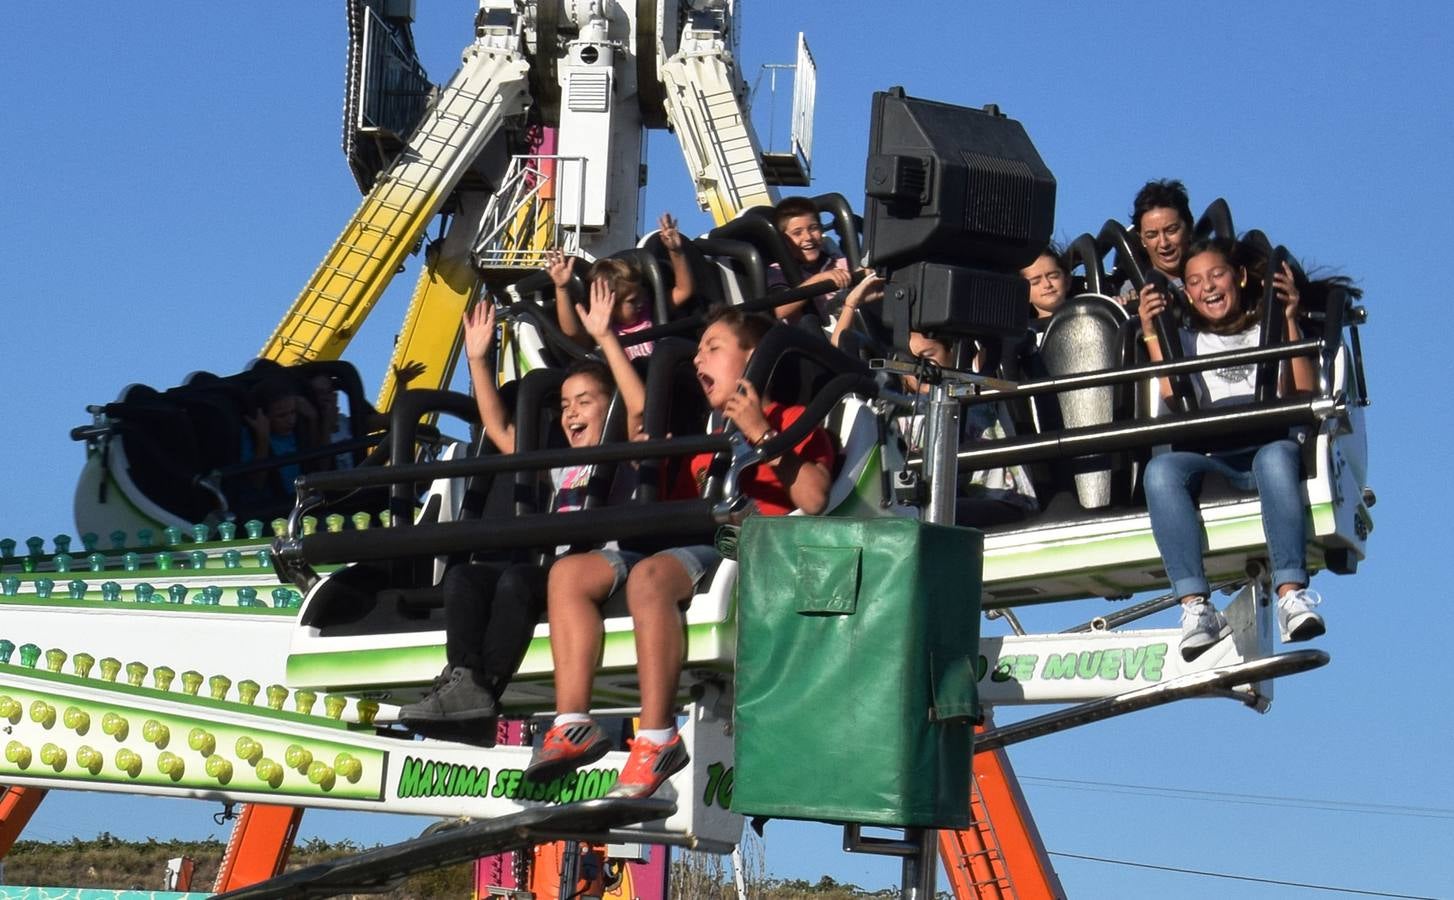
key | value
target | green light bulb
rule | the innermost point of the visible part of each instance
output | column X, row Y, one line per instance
column 201, row 532
column 82, row 663
column 89, row 540
column 42, row 713
column 7, row 548
column 298, row 757
column 232, row 559
column 247, row 691
column 349, row 767
column 29, row 655
column 366, row 710
column 110, row 667
column 135, row 672
column 18, row 755
column 361, row 520
column 249, row 750
column 171, row 765
column 9, row 585
column 76, row 719
column 334, row 522
column 162, row 677
column 7, row 648
column 172, row 535
column 218, row 686
column 62, row 543
column 43, row 587
column 115, row 725
column 53, row 756
column 201, row 740
column 76, row 588
column 219, row 768
column 163, row 560
column 270, row 772
column 333, row 705
column 97, row 561
column 110, row 591
column 191, row 682
column 55, row 657
column 118, row 539
column 280, row 527
column 10, row 709
column 276, row 695
column 310, row 525
column 89, row 759
column 131, row 562
column 197, row 559
column 144, row 537
column 143, row 591
column 303, row 701
column 321, row 774
column 154, row 732
column 128, row 761
column 254, row 528
column 62, row 562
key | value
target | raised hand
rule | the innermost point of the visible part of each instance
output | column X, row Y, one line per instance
column 1153, row 301
column 597, row 319
column 558, row 266
column 1284, row 286
column 868, row 290
column 744, row 409
column 412, row 370
column 479, row 330
column 671, row 238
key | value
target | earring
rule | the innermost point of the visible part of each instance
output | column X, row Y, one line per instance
column 1243, row 281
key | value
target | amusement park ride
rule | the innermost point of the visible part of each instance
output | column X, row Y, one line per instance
column 196, row 647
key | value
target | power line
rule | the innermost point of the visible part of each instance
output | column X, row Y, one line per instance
column 1111, row 787
column 1274, row 881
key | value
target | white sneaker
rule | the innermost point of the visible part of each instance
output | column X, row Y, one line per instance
column 1202, row 625
column 1295, row 616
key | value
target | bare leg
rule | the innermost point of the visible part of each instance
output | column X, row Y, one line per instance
column 655, row 590
column 579, row 583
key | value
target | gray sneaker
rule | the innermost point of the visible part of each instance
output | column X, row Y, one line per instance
column 1295, row 616
column 455, row 699
column 1202, row 625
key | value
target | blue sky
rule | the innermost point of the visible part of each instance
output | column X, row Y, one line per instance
column 173, row 177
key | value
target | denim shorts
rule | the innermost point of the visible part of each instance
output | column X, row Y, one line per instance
column 621, row 562
column 698, row 560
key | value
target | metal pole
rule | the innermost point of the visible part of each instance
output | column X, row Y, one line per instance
column 920, row 869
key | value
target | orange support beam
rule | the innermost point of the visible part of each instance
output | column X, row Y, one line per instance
column 259, row 847
column 16, row 807
column 1000, row 855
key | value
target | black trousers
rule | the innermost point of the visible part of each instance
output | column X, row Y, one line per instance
column 491, row 610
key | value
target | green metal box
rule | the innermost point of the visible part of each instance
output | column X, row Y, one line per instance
column 856, row 646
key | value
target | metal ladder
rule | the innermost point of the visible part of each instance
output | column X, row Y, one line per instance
column 491, row 85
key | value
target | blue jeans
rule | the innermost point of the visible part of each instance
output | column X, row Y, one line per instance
column 1173, row 481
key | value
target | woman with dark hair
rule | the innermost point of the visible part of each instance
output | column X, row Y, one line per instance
column 1225, row 316
column 1161, row 217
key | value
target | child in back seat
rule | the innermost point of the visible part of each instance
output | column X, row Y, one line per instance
column 660, row 585
column 631, row 312
column 491, row 609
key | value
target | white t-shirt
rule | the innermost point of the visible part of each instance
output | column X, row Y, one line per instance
column 1228, row 386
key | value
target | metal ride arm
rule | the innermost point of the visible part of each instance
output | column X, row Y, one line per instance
column 490, row 87
column 704, row 105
